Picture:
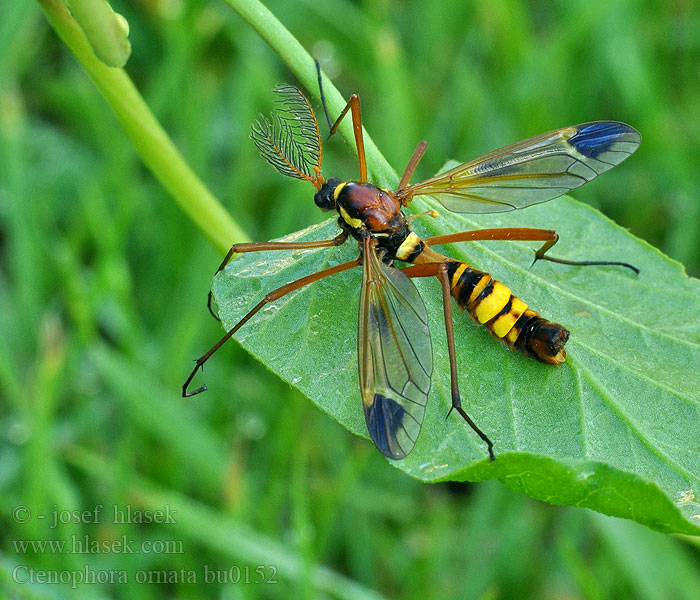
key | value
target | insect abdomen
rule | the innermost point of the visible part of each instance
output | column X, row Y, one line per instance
column 505, row 316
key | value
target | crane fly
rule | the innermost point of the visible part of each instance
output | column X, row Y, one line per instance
column 394, row 350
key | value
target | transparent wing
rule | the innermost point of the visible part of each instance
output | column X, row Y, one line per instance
column 395, row 357
column 531, row 171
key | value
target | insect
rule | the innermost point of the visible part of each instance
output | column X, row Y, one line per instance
column 393, row 341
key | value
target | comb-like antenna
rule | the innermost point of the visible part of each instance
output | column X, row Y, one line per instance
column 290, row 139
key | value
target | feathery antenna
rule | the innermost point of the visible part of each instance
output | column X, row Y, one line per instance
column 290, row 139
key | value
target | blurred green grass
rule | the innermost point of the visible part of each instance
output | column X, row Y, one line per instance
column 103, row 284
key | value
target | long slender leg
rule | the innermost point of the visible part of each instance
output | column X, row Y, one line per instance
column 411, row 166
column 440, row 270
column 522, row 234
column 269, row 297
column 354, row 105
column 260, row 246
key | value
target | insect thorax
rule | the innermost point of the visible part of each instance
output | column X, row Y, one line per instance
column 364, row 207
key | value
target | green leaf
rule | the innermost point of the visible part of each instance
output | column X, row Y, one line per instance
column 615, row 429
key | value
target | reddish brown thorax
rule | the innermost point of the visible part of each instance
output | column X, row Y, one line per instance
column 378, row 209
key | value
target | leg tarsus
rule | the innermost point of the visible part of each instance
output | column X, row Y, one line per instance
column 540, row 254
column 478, row 431
column 211, row 310
column 199, row 390
column 588, row 263
column 439, row 270
column 456, row 401
column 275, row 294
column 323, row 96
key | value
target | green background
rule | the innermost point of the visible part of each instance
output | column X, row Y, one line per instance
column 103, row 285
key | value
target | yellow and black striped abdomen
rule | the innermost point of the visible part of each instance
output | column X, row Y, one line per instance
column 505, row 316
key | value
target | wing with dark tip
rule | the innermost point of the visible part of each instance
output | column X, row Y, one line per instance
column 395, row 357
column 531, row 171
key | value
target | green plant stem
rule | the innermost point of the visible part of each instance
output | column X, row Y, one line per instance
column 148, row 137
column 302, row 65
